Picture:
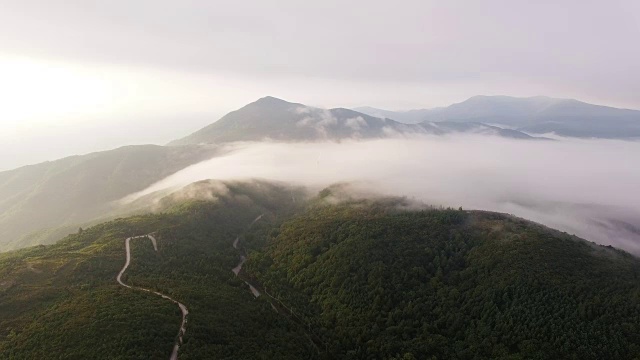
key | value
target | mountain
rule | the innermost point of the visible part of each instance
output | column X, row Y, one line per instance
column 534, row 115
column 41, row 203
column 452, row 127
column 406, row 117
column 329, row 276
column 272, row 118
column 63, row 302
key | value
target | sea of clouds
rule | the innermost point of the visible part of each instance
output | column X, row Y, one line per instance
column 590, row 188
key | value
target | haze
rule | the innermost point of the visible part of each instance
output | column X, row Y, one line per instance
column 587, row 188
column 155, row 68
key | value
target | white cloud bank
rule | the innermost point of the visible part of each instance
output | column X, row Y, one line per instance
column 586, row 187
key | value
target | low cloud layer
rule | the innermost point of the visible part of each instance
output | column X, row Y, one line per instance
column 585, row 187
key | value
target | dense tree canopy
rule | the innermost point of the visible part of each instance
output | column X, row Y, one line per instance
column 377, row 282
column 62, row 301
column 353, row 279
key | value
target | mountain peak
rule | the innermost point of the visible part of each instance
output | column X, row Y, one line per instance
column 271, row 100
column 506, row 98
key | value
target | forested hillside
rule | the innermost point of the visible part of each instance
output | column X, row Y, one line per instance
column 378, row 282
column 62, row 301
column 339, row 279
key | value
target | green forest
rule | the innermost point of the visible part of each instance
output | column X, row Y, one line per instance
column 62, row 301
column 340, row 279
column 378, row 282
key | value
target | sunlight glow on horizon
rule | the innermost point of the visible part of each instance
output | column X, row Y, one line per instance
column 52, row 108
column 35, row 90
column 37, row 94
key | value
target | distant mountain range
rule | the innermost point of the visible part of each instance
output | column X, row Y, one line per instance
column 276, row 119
column 41, row 203
column 534, row 115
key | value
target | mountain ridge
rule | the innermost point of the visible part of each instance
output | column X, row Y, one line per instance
column 41, row 203
column 277, row 119
column 35, row 199
column 532, row 115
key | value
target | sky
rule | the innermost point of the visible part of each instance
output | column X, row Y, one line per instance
column 85, row 75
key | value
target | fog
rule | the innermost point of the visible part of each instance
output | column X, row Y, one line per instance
column 585, row 187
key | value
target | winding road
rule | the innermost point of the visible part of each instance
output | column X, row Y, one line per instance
column 274, row 301
column 183, row 309
column 243, row 259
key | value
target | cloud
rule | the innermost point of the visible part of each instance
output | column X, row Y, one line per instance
column 306, row 121
column 584, row 187
column 302, row 110
column 326, row 118
column 356, row 123
column 319, row 119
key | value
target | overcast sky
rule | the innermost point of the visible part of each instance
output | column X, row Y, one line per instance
column 84, row 75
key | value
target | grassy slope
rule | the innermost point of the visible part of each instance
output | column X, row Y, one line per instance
column 41, row 203
column 62, row 301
